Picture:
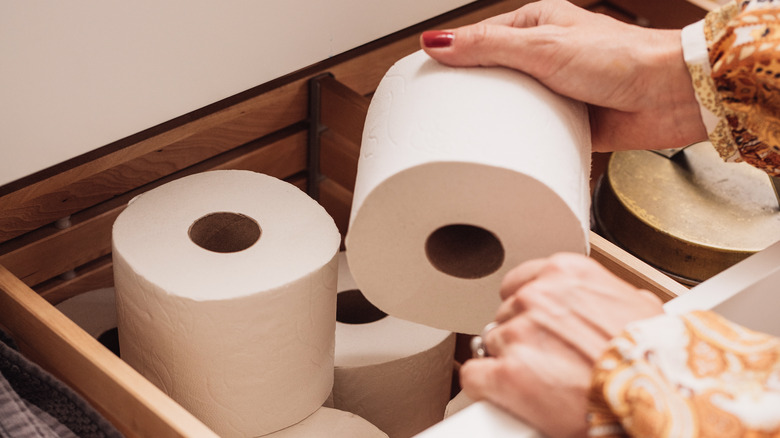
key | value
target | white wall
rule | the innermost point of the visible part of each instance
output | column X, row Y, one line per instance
column 79, row 74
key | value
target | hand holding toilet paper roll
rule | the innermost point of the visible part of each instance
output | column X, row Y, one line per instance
column 464, row 173
column 226, row 298
column 394, row 373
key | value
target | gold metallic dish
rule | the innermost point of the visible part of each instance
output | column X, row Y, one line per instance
column 691, row 215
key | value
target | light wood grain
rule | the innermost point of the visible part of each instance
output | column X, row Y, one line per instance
column 49, row 252
column 96, row 274
column 81, row 187
column 633, row 270
column 122, row 395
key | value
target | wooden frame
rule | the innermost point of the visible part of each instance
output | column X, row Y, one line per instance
column 55, row 227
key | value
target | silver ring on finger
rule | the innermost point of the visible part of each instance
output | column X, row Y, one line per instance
column 478, row 345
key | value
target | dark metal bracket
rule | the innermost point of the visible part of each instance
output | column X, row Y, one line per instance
column 315, row 129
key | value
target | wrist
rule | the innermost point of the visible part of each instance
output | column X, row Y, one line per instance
column 676, row 97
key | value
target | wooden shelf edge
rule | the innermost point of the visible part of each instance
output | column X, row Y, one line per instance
column 633, row 270
column 134, row 405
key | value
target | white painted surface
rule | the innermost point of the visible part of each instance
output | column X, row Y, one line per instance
column 80, row 74
column 747, row 293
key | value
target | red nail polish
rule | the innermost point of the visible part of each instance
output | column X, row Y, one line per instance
column 436, row 39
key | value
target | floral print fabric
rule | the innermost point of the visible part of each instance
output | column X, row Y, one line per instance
column 740, row 83
column 694, row 375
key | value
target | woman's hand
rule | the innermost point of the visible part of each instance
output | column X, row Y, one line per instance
column 634, row 79
column 555, row 320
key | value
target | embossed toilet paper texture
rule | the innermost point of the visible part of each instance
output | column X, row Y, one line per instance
column 243, row 340
column 330, row 423
column 394, row 373
column 402, row 397
column 485, row 147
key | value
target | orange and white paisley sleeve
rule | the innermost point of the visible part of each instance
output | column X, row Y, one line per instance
column 733, row 56
column 695, row 375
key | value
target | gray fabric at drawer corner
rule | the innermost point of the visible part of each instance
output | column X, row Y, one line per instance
column 35, row 404
column 20, row 418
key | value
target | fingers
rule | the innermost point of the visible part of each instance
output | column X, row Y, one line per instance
column 570, row 294
column 546, row 320
column 520, row 275
column 512, row 332
column 480, row 378
column 481, row 44
column 529, row 39
column 544, row 384
column 561, row 263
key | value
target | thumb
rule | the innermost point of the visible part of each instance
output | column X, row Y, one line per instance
column 482, row 378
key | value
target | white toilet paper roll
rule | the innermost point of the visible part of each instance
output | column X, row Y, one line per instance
column 481, row 419
column 330, row 423
column 226, row 297
column 463, row 174
column 457, row 404
column 394, row 373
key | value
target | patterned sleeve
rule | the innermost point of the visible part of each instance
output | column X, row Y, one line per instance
column 694, row 375
column 733, row 56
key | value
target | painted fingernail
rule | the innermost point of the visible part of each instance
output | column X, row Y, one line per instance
column 436, row 39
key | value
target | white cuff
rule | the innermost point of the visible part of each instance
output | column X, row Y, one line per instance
column 694, row 46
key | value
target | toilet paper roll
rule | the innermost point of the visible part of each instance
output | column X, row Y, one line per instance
column 226, row 297
column 330, row 423
column 464, row 173
column 481, row 419
column 394, row 373
column 95, row 312
column 457, row 404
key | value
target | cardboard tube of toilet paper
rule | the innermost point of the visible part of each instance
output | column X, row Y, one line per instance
column 394, row 373
column 226, row 297
column 330, row 423
column 464, row 173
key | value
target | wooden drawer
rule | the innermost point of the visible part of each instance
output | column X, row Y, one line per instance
column 55, row 226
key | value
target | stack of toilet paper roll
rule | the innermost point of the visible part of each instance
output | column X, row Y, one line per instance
column 394, row 373
column 95, row 312
column 226, row 281
column 226, row 299
column 464, row 173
